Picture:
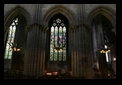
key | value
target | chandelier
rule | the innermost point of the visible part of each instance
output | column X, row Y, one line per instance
column 105, row 49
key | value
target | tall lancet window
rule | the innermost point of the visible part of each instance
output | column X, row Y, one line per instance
column 10, row 39
column 58, row 40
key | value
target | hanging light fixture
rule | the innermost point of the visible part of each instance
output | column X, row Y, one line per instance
column 14, row 47
column 105, row 49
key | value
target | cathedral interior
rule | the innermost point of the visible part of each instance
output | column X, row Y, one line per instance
column 59, row 41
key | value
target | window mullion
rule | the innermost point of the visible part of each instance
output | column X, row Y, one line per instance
column 58, row 45
column 62, row 36
column 54, row 44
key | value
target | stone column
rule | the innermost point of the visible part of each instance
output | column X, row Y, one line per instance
column 33, row 52
column 31, row 60
column 32, row 41
column 39, row 71
column 36, row 50
column 83, row 51
column 78, row 40
column 38, row 14
column 80, row 53
column 77, row 48
column 100, row 36
column 75, row 51
column 69, row 49
column 74, row 68
column 88, row 53
column 72, row 54
column 94, row 43
column 27, row 70
column 44, row 54
column 100, row 39
column 41, row 54
column 30, row 48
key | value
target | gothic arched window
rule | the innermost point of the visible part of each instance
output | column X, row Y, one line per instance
column 58, row 40
column 10, row 39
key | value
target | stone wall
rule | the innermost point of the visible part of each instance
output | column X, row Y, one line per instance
column 80, row 37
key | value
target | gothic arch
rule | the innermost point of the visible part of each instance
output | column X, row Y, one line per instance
column 59, row 9
column 18, row 10
column 103, row 21
column 105, row 11
column 20, row 34
column 13, row 13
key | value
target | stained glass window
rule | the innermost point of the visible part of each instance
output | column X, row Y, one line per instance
column 58, row 41
column 10, row 39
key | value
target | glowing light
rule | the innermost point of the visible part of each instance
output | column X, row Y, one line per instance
column 114, row 59
column 106, row 57
column 49, row 73
column 54, row 73
column 18, row 49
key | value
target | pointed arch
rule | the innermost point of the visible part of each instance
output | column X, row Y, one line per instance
column 102, row 21
column 105, row 11
column 58, row 32
column 59, row 9
column 18, row 10
column 13, row 13
column 15, row 22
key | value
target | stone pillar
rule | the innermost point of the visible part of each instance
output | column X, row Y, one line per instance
column 34, row 55
column 72, row 54
column 94, row 43
column 32, row 52
column 78, row 41
column 27, row 64
column 31, row 60
column 41, row 54
column 80, row 15
column 39, row 71
column 99, row 40
column 69, row 49
column 38, row 14
column 100, row 36
column 83, row 51
column 36, row 50
column 42, row 46
column 80, row 53
column 44, row 53
column 77, row 51
column 88, row 53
